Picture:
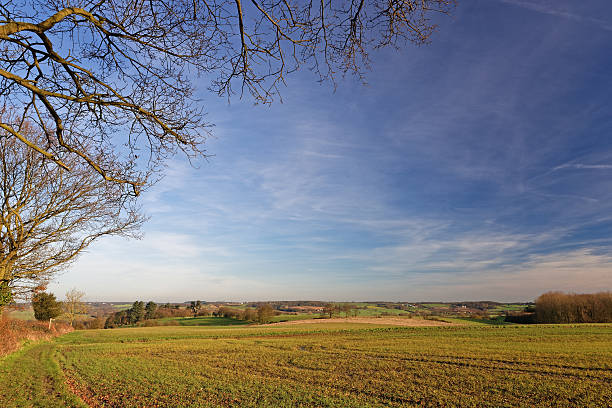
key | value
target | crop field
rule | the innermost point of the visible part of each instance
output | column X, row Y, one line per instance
column 327, row 365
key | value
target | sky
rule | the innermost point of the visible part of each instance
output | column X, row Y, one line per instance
column 478, row 167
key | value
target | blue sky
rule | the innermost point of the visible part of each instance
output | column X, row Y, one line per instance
column 477, row 167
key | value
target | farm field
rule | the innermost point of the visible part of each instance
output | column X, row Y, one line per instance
column 203, row 321
column 322, row 365
column 380, row 321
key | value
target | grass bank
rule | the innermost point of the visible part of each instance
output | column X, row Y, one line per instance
column 14, row 332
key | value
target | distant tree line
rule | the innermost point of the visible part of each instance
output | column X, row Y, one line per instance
column 331, row 309
column 137, row 313
column 558, row 307
column 282, row 304
column 263, row 313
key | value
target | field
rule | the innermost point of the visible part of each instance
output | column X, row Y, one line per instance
column 318, row 365
column 21, row 314
column 203, row 321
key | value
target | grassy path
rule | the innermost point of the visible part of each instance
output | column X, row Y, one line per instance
column 31, row 377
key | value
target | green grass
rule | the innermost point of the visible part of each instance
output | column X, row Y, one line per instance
column 32, row 377
column 121, row 307
column 323, row 365
column 21, row 314
column 510, row 306
column 430, row 305
column 372, row 310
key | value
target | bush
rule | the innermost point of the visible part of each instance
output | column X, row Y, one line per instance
column 8, row 340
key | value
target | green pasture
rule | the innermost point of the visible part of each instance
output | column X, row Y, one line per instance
column 121, row 307
column 21, row 314
column 509, row 307
column 316, row 365
column 372, row 310
column 431, row 305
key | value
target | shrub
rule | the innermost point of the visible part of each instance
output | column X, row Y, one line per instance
column 8, row 340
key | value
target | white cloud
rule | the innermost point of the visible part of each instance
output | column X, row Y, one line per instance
column 177, row 245
column 553, row 10
column 584, row 166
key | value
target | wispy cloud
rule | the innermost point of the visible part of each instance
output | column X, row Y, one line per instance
column 553, row 10
column 583, row 166
column 472, row 168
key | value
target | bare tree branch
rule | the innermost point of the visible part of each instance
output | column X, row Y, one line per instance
column 109, row 82
column 49, row 215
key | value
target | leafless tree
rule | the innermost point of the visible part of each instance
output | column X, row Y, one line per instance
column 49, row 215
column 73, row 305
column 330, row 309
column 110, row 81
column 265, row 312
column 559, row 307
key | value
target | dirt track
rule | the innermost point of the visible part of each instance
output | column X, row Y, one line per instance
column 394, row 321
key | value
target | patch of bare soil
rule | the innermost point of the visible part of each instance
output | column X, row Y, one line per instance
column 392, row 321
column 84, row 393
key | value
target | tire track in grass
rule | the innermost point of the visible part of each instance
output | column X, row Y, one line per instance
column 31, row 377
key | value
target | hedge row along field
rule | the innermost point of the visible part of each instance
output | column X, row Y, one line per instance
column 321, row 366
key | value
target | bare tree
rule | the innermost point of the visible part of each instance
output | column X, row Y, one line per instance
column 330, row 309
column 109, row 81
column 265, row 312
column 49, row 215
column 73, row 305
column 559, row 307
column 195, row 307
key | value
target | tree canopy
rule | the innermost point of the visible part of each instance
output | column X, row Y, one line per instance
column 45, row 306
column 110, row 82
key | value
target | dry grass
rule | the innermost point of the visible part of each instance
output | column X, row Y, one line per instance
column 13, row 332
